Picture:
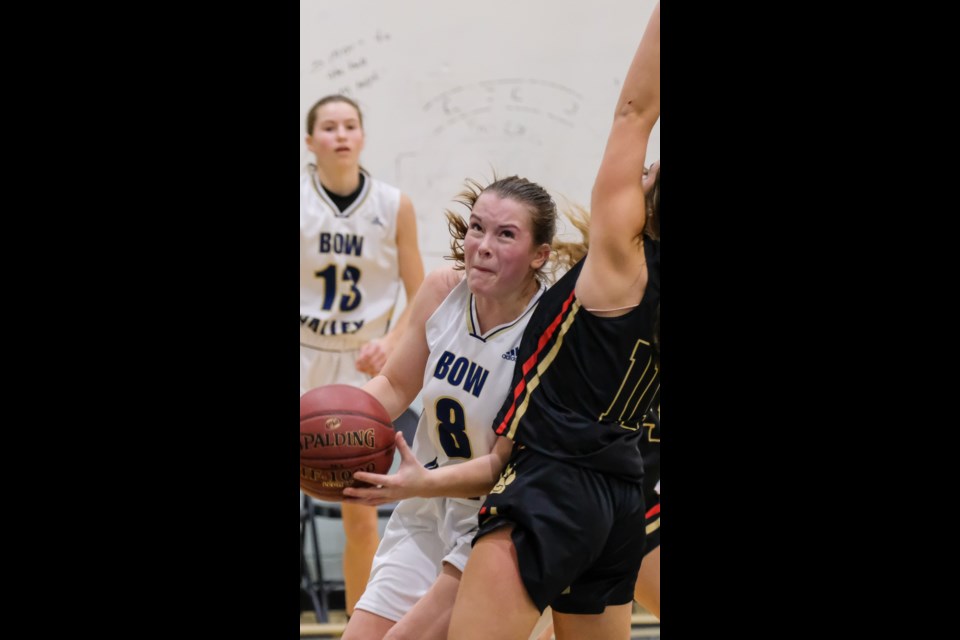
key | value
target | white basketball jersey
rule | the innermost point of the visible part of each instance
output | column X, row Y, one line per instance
column 466, row 379
column 349, row 276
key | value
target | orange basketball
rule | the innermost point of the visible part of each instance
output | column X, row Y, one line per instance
column 343, row 429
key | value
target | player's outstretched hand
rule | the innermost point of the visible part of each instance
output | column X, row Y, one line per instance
column 407, row 482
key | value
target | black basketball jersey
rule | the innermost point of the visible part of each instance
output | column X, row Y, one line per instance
column 583, row 384
column 650, row 449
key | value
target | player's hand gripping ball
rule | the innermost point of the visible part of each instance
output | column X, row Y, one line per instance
column 343, row 429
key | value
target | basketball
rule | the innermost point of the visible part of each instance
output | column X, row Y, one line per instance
column 343, row 429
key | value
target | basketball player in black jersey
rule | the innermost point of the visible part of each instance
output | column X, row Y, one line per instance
column 565, row 523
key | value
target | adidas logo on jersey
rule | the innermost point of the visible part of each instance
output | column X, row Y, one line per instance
column 511, row 355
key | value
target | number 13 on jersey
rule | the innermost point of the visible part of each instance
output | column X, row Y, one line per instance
column 351, row 276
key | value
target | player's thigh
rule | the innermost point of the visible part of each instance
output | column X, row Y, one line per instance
column 612, row 624
column 492, row 602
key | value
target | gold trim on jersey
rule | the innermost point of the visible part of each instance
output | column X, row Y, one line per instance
column 473, row 319
column 653, row 526
column 542, row 368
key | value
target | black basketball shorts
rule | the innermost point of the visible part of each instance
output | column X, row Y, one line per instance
column 579, row 534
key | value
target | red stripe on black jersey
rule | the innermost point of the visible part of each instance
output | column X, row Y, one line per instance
column 532, row 361
column 654, row 511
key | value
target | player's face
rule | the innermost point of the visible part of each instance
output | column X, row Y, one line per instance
column 498, row 249
column 337, row 136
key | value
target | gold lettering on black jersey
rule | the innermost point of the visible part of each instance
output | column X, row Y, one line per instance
column 636, row 390
column 651, row 422
column 508, row 475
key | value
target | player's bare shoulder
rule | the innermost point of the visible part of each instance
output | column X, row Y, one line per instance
column 436, row 286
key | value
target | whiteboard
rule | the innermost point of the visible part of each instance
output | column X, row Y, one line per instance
column 452, row 89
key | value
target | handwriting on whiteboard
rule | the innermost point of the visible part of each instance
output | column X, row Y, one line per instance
column 503, row 106
column 350, row 67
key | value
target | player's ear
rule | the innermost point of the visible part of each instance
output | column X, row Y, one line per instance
column 541, row 256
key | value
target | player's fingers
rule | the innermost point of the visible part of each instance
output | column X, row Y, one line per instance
column 405, row 453
column 369, row 502
column 375, row 479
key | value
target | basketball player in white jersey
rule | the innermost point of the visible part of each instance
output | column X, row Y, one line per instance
column 460, row 350
column 358, row 242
